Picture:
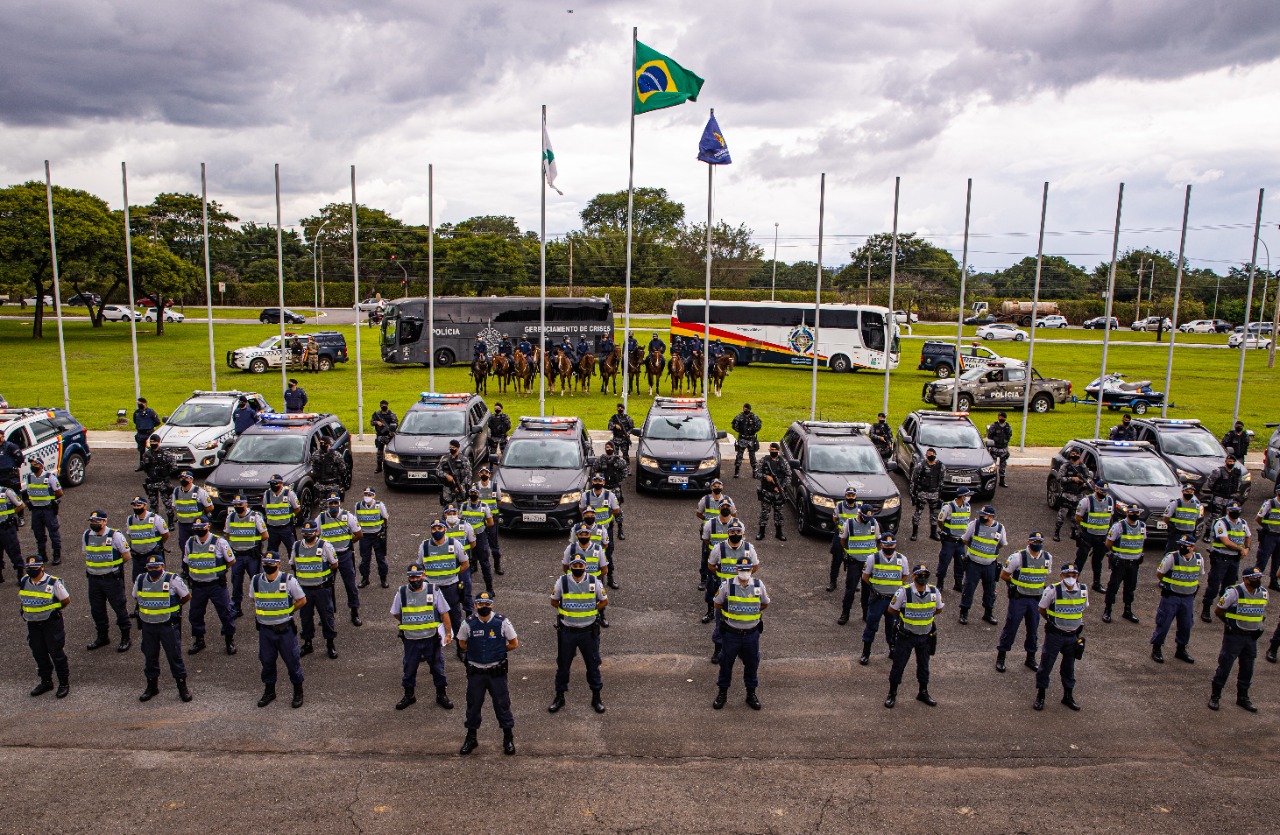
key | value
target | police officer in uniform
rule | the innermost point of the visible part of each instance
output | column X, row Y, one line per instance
column 525, row 347
column 315, row 564
column 329, row 471
column 1237, row 441
column 453, row 471
column 585, row 542
column 881, row 435
column 442, row 560
column 295, row 397
column 615, row 470
column 657, row 346
column 244, row 415
column 145, row 421
column 1025, row 574
column 953, row 521
column 1062, row 607
column 280, row 506
column 1179, row 576
column 606, row 507
column 105, row 552
column 774, row 474
column 1243, row 609
column 1183, row 515
column 1268, row 520
column 578, row 599
column 148, row 535
column 385, row 424
column 499, row 424
column 845, row 509
column 740, row 602
column 158, row 467
column 462, row 533
column 1125, row 542
column 926, row 488
column 12, row 513
column 43, row 492
column 246, row 532
column 489, row 498
column 858, row 538
column 1000, row 433
column 276, row 595
column 983, row 540
column 714, row 531
column 1222, row 487
column 11, row 458
column 43, row 597
column 746, row 425
column 723, row 564
column 1124, row 430
column 885, row 574
column 160, row 596
column 341, row 530
column 1231, row 538
column 1074, row 479
column 477, row 515
column 917, row 605
column 424, row 623
column 374, row 520
column 486, row 639
column 479, row 349
column 1093, row 518
column 621, row 424
column 189, row 503
column 205, row 560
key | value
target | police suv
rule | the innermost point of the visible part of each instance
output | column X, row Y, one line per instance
column 679, row 446
column 543, row 473
column 1136, row 474
column 828, row 458
column 1191, row 450
column 201, row 427
column 966, row 461
column 53, row 436
column 425, row 432
column 269, row 354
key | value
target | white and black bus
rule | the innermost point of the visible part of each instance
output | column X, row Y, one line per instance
column 850, row 336
column 460, row 319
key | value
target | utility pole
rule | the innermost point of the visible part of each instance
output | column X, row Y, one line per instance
column 570, row 267
column 868, row 276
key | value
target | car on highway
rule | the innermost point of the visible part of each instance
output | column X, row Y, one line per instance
column 371, row 304
column 1253, row 340
column 119, row 313
column 1254, row 327
column 986, row 319
column 827, row 458
column 1199, row 326
column 1000, row 384
column 1191, row 450
column 85, row 300
column 269, row 354
column 425, row 432
column 1052, row 321
column 30, row 301
column 543, row 473
column 146, row 301
column 1001, row 330
column 170, row 315
column 201, row 428
column 1099, row 323
column 964, row 455
column 271, row 316
column 905, row 317
column 1136, row 474
column 940, row 357
column 52, row 435
column 1152, row 323
column 679, row 447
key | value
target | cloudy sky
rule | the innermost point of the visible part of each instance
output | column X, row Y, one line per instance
column 1083, row 94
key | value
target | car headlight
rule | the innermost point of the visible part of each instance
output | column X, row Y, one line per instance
column 391, row 458
column 823, row 501
column 989, row 470
column 1247, row 478
column 571, row 498
column 706, row 463
column 211, row 490
column 504, row 497
column 210, row 445
column 646, row 461
column 891, row 502
column 1186, row 476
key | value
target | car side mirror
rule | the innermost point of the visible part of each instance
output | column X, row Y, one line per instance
column 165, row 419
column 905, row 438
column 891, row 466
column 721, row 435
column 635, row 432
column 1249, row 432
column 591, row 460
column 990, row 444
column 493, row 458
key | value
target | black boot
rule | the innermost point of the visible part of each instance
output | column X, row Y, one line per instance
column 125, row 641
column 612, row 582
column 866, row 653
column 1057, row 533
column 1214, row 699
column 753, row 701
column 621, row 534
column 508, row 742
column 184, row 692
column 1205, row 616
column 893, row 697
column 268, row 695
column 43, row 687
column 1039, row 705
column 1271, row 653
column 307, row 649
column 557, row 703
column 1274, row 585
column 153, row 689
column 711, row 613
column 843, row 619
column 735, row 471
column 721, row 698
column 1106, row 615
column 64, row 687
column 915, row 530
column 297, row 696
column 831, row 586
column 1157, row 653
column 57, row 560
column 957, row 585
column 923, row 696
column 987, row 617
column 999, row 661
column 1070, row 700
column 407, row 699
column 596, row 704
column 497, row 564
column 442, row 699
column 715, row 656
column 231, row 645
column 777, row 532
column 196, row 645
column 355, row 618
column 1129, row 615
column 760, row 535
column 933, row 533
column 469, row 744
column 964, row 616
column 364, row 583
column 1030, row 663
column 1242, row 699
column 330, row 649
column 101, row 641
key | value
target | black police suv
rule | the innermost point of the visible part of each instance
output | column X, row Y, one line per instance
column 543, row 473
column 424, row 435
column 1191, row 450
column 940, row 357
column 961, row 449
column 679, row 446
column 1135, row 473
column 277, row 443
column 828, row 458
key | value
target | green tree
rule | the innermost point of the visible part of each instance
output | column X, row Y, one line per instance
column 160, row 275
column 176, row 219
column 381, row 236
column 1059, row 278
column 734, row 256
column 936, row 266
column 653, row 213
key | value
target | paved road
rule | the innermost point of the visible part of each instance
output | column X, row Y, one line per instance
column 196, row 315
column 823, row 755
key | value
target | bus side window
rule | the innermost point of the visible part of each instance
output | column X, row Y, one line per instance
column 873, row 330
column 410, row 330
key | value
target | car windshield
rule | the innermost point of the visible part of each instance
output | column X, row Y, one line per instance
column 975, row 374
column 949, row 436
column 268, row 449
column 840, row 458
column 201, row 414
column 1139, row 472
column 1193, row 444
column 453, row 422
column 269, row 342
column 537, row 453
column 679, row 428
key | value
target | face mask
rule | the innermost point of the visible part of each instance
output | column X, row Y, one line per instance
column 1035, row 547
column 437, row 535
column 773, row 454
column 1101, row 494
column 416, row 585
column 1252, row 585
column 154, row 574
column 744, row 577
column 1186, row 550
column 999, row 420
column 888, row 552
column 37, row 470
column 578, row 573
column 584, row 541
column 309, row 538
column 186, row 484
column 1234, row 514
column 735, row 538
column 33, row 573
column 1069, row 582
column 922, row 582
column 270, row 570
column 452, row 518
column 1133, row 517
column 484, row 611
column 97, row 526
column 931, row 458
column 716, row 491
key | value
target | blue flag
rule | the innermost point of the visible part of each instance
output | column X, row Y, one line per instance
column 712, row 148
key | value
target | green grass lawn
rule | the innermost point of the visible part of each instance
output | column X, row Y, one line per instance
column 98, row 363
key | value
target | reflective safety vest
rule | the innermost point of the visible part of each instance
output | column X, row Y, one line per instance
column 204, row 563
column 577, row 601
column 1184, row 574
column 711, row 507
column 731, row 558
column 919, row 609
column 845, row 511
column 271, row 601
column 36, row 597
column 1249, row 610
column 1236, row 531
column 719, row 530
column 488, row 496
column 439, row 562
column 472, row 515
column 370, row 518
column 278, row 509
column 39, row 493
column 1270, row 520
column 1097, row 518
column 958, row 520
column 8, row 509
column 1186, row 515
column 485, row 643
column 242, row 531
column 742, row 604
column 185, row 504
column 1132, row 538
column 591, row 554
column 984, row 545
column 157, row 601
column 1066, row 612
column 597, row 534
column 459, row 534
column 336, row 532
column 100, row 554
column 860, row 539
column 1030, row 578
column 886, row 577
column 603, row 505
column 418, row 616
column 310, row 564
column 144, row 533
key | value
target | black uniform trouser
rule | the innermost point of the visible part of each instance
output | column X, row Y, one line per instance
column 853, row 579
column 907, row 643
column 1058, row 643
column 951, row 550
column 1224, row 572
column 1022, row 610
column 975, row 573
column 380, row 448
column 418, row 650
column 837, row 557
column 1174, row 607
column 776, row 501
column 740, row 446
column 280, row 539
column 167, row 636
column 491, row 535
column 452, row 594
column 9, row 545
column 141, row 441
column 480, row 554
column 1240, row 645
column 1123, row 572
column 1092, row 549
column 1268, row 550
column 347, row 569
column 571, row 642
column 184, row 533
column 735, row 644
column 279, row 643
column 373, row 546
column 44, row 525
column 107, row 589
column 47, row 639
column 481, row 683
column 202, row 594
column 877, row 610
column 248, row 563
column 319, row 601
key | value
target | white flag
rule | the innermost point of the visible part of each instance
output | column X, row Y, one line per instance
column 549, row 161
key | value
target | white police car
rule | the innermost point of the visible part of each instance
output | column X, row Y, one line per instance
column 53, row 436
column 201, row 426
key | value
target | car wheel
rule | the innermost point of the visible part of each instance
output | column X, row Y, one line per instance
column 964, row 402
column 987, row 336
column 1019, row 337
column 1062, row 327
column 73, row 470
column 802, row 518
column 840, row 364
column 326, row 363
column 1041, row 403
column 307, row 502
column 264, row 320
column 444, row 358
column 258, row 366
column 1053, row 495
column 942, row 370
column 1140, row 407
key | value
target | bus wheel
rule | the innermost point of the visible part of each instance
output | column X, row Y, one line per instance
column 444, row 358
column 840, row 364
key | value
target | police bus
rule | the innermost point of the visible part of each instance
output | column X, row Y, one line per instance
column 460, row 319
column 850, row 336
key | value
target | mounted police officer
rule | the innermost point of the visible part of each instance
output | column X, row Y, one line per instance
column 606, row 508
column 43, row 597
column 1074, row 479
column 1125, row 542
column 205, row 560
column 1025, row 574
column 999, row 434
column 1268, row 520
column 489, row 497
column 1179, row 575
column 884, row 574
column 953, row 521
column 746, row 425
column 621, row 424
column 424, row 628
column 1222, row 486
column 453, row 471
column 881, row 435
column 1093, row 518
column 858, row 537
column 1231, row 538
column 525, row 347
column 385, row 423
column 105, row 552
column 158, row 467
column 983, row 540
column 329, row 470
column 926, row 488
column 657, row 346
column 374, row 523
column 160, row 596
column 486, row 639
column 774, row 474
column 613, row 467
column 145, row 422
column 1243, row 609
column 1062, row 608
column 342, row 530
column 43, row 492
column 246, row 532
column 315, row 565
column 723, row 564
column 276, row 595
column 504, row 347
column 578, row 599
column 1183, row 515
column 740, row 602
column 480, row 349
column 189, row 503
column 583, row 347
column 475, row 513
column 917, row 606
column 499, row 424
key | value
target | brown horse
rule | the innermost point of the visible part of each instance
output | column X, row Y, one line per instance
column 724, row 364
column 523, row 372
column 693, row 373
column 564, row 370
column 609, row 370
column 480, row 373
column 635, row 361
column 585, row 370
column 653, row 370
column 502, row 370
column 676, row 372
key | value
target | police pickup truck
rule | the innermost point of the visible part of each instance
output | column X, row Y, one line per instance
column 53, row 436
column 999, row 383
column 269, row 354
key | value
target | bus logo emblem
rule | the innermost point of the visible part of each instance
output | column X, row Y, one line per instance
column 801, row 339
column 492, row 338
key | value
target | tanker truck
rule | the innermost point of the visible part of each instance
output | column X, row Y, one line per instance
column 1018, row 312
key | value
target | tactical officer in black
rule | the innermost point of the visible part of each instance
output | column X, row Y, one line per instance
column 385, row 424
column 926, row 489
column 454, row 474
column 1124, row 430
column 621, row 425
column 499, row 428
column 145, row 422
column 1222, row 485
column 158, row 466
column 1237, row 442
column 882, row 436
column 11, row 458
column 329, row 470
column 1074, row 478
column 1000, row 433
column 774, row 474
column 746, row 424
column 613, row 466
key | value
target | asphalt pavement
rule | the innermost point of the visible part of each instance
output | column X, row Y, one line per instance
column 824, row 755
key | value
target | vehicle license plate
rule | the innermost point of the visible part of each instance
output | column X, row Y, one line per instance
column 534, row 517
column 418, row 475
column 677, row 479
column 961, row 479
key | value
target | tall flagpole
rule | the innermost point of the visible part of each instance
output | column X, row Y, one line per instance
column 1106, row 320
column 57, row 287
column 208, row 274
column 964, row 275
column 1177, row 302
column 284, row 349
column 817, row 301
column 706, row 302
column 355, row 274
column 128, row 266
column 891, row 323
column 631, row 188
column 1248, row 304
column 431, row 278
column 542, row 277
column 1035, row 306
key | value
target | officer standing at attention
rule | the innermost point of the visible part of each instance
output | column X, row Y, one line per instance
column 858, row 538
column 246, row 531
column 43, row 492
column 373, row 519
column 1125, row 542
column 1268, row 519
column 476, row 513
column 1062, row 606
column 1000, row 433
column 774, row 474
column 1026, row 573
column 926, row 488
column 341, row 530
column 881, row 435
column 983, row 540
column 606, row 507
column 621, row 424
column 1179, row 575
column 280, row 507
column 160, row 596
column 1237, row 442
column 243, row 416
column 189, row 503
column 499, row 425
column 276, row 596
column 105, row 552
column 1093, row 517
column 1124, row 430
column 12, row 510
column 885, row 574
column 581, row 545
column 158, row 466
column 746, row 425
column 615, row 470
column 442, row 560
column 722, row 564
column 489, row 497
column 424, row 622
column 43, row 597
column 385, row 424
column 578, row 599
column 1074, row 479
column 953, row 521
column 845, row 509
column 11, row 458
column 329, row 470
column 486, row 639
column 740, row 602
column 714, row 531
column 1243, row 609
column 462, row 533
column 1231, row 538
column 205, row 559
column 145, row 421
column 295, row 398
column 148, row 535
column 917, row 605
column 454, row 474
column 314, row 565
column 1222, row 485
column 1183, row 515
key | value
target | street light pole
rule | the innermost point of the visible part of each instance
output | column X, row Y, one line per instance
column 406, row 276
column 315, row 268
column 1266, row 279
column 774, row 287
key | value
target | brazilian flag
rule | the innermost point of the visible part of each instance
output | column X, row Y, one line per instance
column 661, row 82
